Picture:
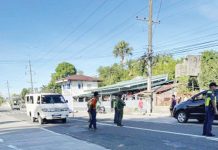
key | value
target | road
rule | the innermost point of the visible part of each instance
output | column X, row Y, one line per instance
column 142, row 133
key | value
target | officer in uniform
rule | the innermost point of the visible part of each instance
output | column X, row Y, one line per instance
column 210, row 110
column 115, row 111
column 120, row 106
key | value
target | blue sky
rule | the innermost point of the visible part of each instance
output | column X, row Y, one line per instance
column 84, row 32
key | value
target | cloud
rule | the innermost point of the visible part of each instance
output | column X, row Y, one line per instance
column 209, row 11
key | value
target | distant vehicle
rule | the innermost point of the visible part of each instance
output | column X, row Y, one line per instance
column 46, row 106
column 193, row 108
column 15, row 103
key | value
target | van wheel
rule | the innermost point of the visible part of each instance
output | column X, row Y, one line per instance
column 64, row 120
column 182, row 117
column 40, row 120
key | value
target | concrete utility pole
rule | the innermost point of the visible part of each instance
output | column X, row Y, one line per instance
column 31, row 77
column 149, row 52
column 9, row 94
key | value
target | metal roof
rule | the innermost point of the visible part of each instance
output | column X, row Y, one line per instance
column 134, row 84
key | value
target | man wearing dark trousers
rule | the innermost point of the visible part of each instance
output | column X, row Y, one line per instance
column 115, row 110
column 120, row 106
column 92, row 110
column 210, row 110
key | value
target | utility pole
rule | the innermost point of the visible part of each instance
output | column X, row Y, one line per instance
column 149, row 53
column 9, row 95
column 31, row 77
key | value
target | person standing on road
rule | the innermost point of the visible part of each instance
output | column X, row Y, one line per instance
column 140, row 106
column 120, row 106
column 88, row 106
column 92, row 111
column 173, row 104
column 115, row 111
column 210, row 110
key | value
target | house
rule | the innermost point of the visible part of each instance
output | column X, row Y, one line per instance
column 75, row 85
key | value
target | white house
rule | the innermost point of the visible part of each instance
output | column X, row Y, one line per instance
column 76, row 85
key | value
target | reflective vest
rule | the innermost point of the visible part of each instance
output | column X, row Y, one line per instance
column 208, row 98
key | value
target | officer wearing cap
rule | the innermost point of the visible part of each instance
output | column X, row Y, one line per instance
column 210, row 110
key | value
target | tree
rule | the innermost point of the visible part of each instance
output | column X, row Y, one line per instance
column 63, row 70
column 164, row 64
column 112, row 74
column 136, row 68
column 122, row 50
column 1, row 99
column 24, row 92
column 183, row 85
column 209, row 68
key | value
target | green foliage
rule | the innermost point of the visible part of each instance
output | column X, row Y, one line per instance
column 209, row 68
column 110, row 75
column 183, row 85
column 164, row 64
column 24, row 92
column 63, row 70
column 187, row 84
column 45, row 89
column 1, row 100
column 136, row 68
column 122, row 50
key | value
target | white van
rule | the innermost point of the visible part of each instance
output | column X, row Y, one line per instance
column 46, row 106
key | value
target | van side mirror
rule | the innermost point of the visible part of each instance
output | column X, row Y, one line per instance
column 66, row 101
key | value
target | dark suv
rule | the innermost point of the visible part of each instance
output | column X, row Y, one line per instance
column 193, row 108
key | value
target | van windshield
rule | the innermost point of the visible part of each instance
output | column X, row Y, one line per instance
column 52, row 99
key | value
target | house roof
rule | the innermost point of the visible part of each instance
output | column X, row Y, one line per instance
column 165, row 88
column 135, row 84
column 79, row 78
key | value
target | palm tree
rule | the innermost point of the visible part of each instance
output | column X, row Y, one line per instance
column 122, row 50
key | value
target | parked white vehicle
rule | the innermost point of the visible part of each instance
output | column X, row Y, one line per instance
column 46, row 106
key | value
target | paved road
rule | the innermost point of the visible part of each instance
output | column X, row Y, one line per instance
column 150, row 134
column 16, row 133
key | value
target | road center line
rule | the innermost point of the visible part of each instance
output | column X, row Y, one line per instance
column 157, row 131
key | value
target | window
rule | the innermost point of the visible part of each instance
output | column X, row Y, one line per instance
column 27, row 99
column 200, row 96
column 52, row 99
column 31, row 101
column 79, row 86
column 38, row 100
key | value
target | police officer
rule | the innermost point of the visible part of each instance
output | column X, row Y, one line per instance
column 120, row 106
column 210, row 110
column 115, row 110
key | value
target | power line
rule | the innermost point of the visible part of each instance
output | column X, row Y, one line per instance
column 158, row 14
column 110, row 34
column 77, row 27
column 192, row 39
column 98, row 42
column 94, row 25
